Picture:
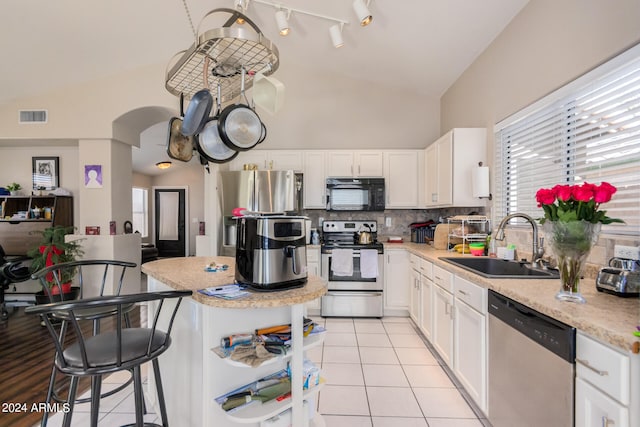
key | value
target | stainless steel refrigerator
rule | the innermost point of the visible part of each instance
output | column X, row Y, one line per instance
column 257, row 191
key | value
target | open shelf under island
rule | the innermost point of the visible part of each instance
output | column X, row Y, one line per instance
column 193, row 375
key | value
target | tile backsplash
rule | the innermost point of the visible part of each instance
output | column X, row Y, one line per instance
column 400, row 218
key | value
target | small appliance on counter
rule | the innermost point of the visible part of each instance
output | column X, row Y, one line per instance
column 621, row 278
column 271, row 252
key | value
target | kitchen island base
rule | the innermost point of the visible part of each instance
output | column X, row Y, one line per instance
column 193, row 375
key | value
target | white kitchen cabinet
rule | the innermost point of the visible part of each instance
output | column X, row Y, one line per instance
column 442, row 332
column 354, row 163
column 251, row 157
column 313, row 269
column 442, row 306
column 269, row 160
column 470, row 339
column 426, row 295
column 606, row 395
column 450, row 162
column 596, row 409
column 397, row 282
column 314, row 180
column 415, row 297
column 402, row 173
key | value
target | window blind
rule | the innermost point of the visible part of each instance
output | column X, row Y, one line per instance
column 588, row 131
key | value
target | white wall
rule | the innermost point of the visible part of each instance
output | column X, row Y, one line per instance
column 548, row 44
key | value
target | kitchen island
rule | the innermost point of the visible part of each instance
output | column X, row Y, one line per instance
column 193, row 375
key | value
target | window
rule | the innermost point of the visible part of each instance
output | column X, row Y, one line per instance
column 140, row 211
column 587, row 131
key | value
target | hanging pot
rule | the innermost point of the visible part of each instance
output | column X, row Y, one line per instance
column 209, row 143
column 197, row 113
column 179, row 146
column 240, row 126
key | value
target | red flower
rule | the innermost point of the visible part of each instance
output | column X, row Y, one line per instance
column 563, row 192
column 603, row 192
column 545, row 196
column 582, row 193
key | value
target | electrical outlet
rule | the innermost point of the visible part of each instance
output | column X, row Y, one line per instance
column 387, row 221
column 628, row 252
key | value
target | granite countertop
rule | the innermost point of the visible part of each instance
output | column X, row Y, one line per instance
column 610, row 318
column 189, row 274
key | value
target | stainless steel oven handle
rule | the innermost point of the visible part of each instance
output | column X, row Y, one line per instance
column 375, row 294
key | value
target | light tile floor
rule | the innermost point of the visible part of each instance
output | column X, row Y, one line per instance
column 378, row 372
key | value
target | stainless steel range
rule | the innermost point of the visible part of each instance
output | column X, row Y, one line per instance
column 352, row 264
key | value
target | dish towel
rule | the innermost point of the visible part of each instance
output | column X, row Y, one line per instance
column 342, row 262
column 368, row 263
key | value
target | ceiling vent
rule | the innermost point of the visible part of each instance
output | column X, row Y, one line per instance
column 33, row 116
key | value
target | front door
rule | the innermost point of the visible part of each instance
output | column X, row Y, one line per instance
column 170, row 222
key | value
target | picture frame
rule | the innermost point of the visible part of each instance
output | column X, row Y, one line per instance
column 45, row 173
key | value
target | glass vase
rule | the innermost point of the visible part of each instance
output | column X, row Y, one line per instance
column 571, row 243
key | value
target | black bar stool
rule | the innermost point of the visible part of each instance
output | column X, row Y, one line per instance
column 85, row 273
column 112, row 351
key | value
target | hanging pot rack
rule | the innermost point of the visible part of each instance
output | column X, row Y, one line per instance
column 218, row 56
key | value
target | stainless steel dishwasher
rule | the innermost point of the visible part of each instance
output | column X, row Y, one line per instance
column 531, row 366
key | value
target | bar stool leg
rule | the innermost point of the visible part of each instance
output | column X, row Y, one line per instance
column 163, row 408
column 73, row 388
column 96, row 385
column 139, row 398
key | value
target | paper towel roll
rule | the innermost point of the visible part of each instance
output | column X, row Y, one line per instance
column 480, row 181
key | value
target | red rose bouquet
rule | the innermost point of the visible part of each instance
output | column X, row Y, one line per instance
column 576, row 202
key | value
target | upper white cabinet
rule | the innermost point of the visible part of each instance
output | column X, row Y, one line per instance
column 269, row 160
column 450, row 162
column 403, row 175
column 354, row 163
column 314, row 184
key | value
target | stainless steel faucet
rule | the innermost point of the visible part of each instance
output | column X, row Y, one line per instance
column 537, row 249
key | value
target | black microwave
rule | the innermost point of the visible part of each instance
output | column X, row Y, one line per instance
column 355, row 194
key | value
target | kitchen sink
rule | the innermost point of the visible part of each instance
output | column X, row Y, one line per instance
column 500, row 268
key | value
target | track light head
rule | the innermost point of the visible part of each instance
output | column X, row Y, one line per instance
column 282, row 19
column 335, row 31
column 362, row 12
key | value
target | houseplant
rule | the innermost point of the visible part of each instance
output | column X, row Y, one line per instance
column 53, row 249
column 572, row 220
column 13, row 188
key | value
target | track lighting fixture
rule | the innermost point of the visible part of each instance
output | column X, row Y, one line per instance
column 241, row 6
column 335, row 31
column 282, row 20
column 362, row 12
column 283, row 13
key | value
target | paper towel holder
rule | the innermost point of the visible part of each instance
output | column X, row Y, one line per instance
column 480, row 182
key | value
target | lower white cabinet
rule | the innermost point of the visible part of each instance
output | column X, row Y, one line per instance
column 606, row 394
column 426, row 295
column 397, row 282
column 313, row 269
column 442, row 333
column 414, row 308
column 470, row 339
column 596, row 409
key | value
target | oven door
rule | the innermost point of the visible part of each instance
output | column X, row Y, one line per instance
column 354, row 282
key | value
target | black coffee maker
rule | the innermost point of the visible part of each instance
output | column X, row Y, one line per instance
column 271, row 252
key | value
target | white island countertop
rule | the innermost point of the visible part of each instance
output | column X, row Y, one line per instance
column 190, row 274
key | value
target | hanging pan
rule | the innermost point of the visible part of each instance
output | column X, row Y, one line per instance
column 209, row 143
column 179, row 146
column 199, row 107
column 239, row 125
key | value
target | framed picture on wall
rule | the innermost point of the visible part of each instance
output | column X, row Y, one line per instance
column 45, row 173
